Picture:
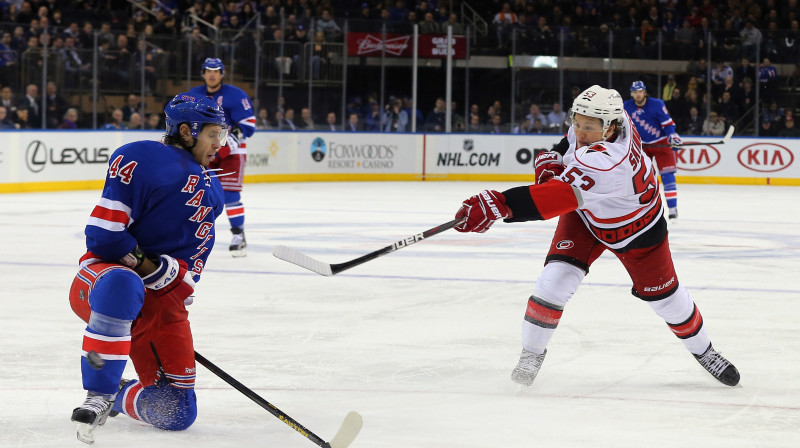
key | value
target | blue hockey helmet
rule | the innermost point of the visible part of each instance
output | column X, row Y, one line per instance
column 196, row 112
column 638, row 85
column 213, row 64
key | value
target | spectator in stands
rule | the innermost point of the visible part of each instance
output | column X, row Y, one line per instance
column 523, row 128
column 278, row 121
column 319, row 56
column 21, row 119
column 74, row 67
column 789, row 130
column 56, row 105
column 713, row 125
column 768, row 79
column 306, row 122
column 745, row 69
column 115, row 122
column 686, row 40
column 458, row 28
column 556, row 118
column 435, row 121
column 666, row 92
column 496, row 126
column 746, row 95
column 135, row 121
column 32, row 102
column 408, row 103
column 456, row 119
column 331, row 124
column 766, row 130
column 8, row 59
column 396, row 119
column 535, row 114
column 70, row 119
column 537, row 127
column 692, row 100
column 372, row 120
column 429, row 26
column 727, row 108
column 262, row 120
column 131, row 106
column 288, row 121
column 328, row 26
column 154, row 122
column 729, row 86
column 150, row 67
column 399, row 11
column 790, row 45
column 677, row 105
column 475, row 125
column 7, row 101
column 774, row 114
column 5, row 121
column 504, row 22
column 728, row 41
column 693, row 124
column 352, row 123
column 751, row 39
column 699, row 71
column 719, row 74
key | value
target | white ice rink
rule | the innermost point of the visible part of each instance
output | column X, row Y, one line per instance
column 422, row 341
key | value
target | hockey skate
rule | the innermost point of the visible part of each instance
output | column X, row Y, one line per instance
column 673, row 214
column 238, row 243
column 527, row 368
column 92, row 413
column 717, row 365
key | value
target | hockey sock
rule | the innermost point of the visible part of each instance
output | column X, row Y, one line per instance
column 684, row 319
column 670, row 189
column 234, row 209
column 541, row 320
column 168, row 407
column 103, row 360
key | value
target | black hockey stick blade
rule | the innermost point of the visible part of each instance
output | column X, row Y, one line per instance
column 303, row 260
column 343, row 438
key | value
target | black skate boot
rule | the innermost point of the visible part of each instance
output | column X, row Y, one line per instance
column 717, row 365
column 92, row 413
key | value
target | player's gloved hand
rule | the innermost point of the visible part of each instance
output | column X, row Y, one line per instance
column 233, row 143
column 547, row 165
column 674, row 140
column 171, row 277
column 481, row 211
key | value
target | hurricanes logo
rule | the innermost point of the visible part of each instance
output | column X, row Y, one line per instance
column 564, row 245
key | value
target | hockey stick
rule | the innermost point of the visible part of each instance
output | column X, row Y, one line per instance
column 343, row 438
column 724, row 140
column 303, row 260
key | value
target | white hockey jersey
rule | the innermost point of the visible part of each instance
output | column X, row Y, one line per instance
column 620, row 191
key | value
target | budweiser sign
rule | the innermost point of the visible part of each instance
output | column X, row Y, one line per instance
column 372, row 44
column 398, row 45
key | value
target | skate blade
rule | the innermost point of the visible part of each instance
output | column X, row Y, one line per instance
column 239, row 253
column 86, row 433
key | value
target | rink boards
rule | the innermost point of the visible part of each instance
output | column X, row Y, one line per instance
column 71, row 160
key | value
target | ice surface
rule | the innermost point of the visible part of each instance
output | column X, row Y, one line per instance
column 422, row 341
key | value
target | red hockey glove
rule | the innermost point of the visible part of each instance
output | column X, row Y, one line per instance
column 172, row 277
column 548, row 164
column 481, row 211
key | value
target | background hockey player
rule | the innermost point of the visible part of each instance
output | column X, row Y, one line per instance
column 657, row 130
column 605, row 192
column 231, row 157
column 147, row 243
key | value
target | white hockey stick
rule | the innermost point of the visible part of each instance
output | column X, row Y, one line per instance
column 326, row 269
column 724, row 140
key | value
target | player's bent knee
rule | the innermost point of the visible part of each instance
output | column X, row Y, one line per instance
column 118, row 293
column 558, row 282
column 172, row 409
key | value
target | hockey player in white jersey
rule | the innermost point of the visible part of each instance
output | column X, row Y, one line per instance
column 607, row 197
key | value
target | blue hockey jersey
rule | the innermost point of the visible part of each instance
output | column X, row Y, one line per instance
column 157, row 196
column 651, row 120
column 236, row 105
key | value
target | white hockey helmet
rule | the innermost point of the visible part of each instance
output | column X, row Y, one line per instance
column 602, row 103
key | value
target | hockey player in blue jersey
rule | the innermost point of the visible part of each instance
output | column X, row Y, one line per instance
column 231, row 157
column 657, row 130
column 148, row 239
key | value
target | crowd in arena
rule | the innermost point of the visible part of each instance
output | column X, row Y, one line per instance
column 740, row 32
